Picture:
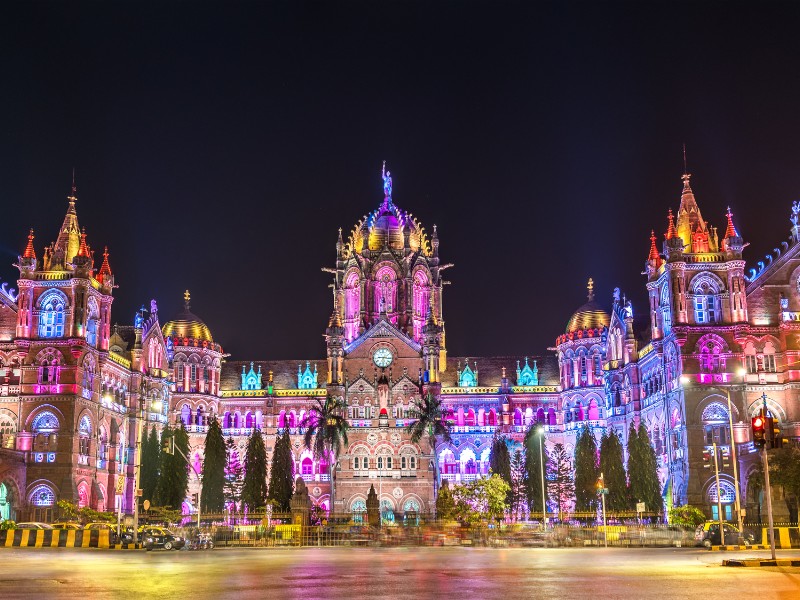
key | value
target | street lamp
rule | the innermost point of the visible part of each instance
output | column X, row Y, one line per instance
column 739, row 517
column 540, row 431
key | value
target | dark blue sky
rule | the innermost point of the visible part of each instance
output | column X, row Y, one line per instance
column 219, row 147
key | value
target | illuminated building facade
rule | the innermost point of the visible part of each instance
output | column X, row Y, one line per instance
column 75, row 391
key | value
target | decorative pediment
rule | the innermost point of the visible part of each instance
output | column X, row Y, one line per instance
column 528, row 375
column 251, row 380
column 307, row 380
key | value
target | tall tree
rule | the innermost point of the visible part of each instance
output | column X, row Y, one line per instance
column 559, row 479
column 534, row 451
column 586, row 471
column 150, row 464
column 500, row 462
column 518, row 490
column 613, row 470
column 643, row 483
column 326, row 432
column 234, row 476
column 174, row 476
column 445, row 505
column 281, row 475
column 254, row 489
column 429, row 422
column 212, row 498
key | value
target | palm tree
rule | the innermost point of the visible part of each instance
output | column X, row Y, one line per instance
column 430, row 421
column 326, row 432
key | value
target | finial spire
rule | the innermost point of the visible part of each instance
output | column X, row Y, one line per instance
column 671, row 233
column 186, row 299
column 685, row 169
column 590, row 287
column 105, row 268
column 83, row 250
column 731, row 230
column 74, row 187
column 387, row 184
column 29, row 250
column 653, row 250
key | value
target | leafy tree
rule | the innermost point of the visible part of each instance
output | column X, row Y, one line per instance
column 643, row 483
column 254, row 489
column 281, row 476
column 559, row 478
column 212, row 498
column 234, row 475
column 500, row 462
column 686, row 516
column 326, row 432
column 174, row 472
column 481, row 499
column 429, row 422
column 150, row 464
column 445, row 505
column 518, row 481
column 586, row 472
column 613, row 470
column 534, row 450
column 784, row 470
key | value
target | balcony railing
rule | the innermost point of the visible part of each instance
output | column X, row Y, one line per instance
column 237, row 431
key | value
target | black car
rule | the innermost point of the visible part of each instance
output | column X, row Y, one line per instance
column 158, row 537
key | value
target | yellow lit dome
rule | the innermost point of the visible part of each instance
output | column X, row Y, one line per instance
column 187, row 325
column 589, row 316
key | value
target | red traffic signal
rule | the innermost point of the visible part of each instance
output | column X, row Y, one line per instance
column 759, row 433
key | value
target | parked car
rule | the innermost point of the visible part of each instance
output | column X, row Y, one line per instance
column 110, row 527
column 34, row 525
column 159, row 537
column 67, row 526
column 708, row 534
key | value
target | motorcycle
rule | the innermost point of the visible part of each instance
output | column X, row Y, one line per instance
column 200, row 541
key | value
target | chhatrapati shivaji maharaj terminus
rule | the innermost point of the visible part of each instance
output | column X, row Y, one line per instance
column 73, row 384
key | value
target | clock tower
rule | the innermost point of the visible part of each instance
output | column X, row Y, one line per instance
column 385, row 347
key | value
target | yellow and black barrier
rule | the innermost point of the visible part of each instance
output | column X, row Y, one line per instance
column 59, row 538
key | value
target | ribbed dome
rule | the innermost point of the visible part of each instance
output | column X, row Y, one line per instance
column 386, row 229
column 187, row 325
column 589, row 316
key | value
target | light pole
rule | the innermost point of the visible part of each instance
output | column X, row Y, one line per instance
column 603, row 492
column 719, row 496
column 739, row 516
column 540, row 430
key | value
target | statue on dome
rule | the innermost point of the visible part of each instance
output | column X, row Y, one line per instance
column 795, row 212
column 153, row 307
column 387, row 182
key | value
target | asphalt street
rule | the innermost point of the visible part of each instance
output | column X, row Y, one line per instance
column 396, row 573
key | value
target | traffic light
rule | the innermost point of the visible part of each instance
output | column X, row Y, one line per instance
column 168, row 445
column 194, row 499
column 773, row 433
column 759, row 431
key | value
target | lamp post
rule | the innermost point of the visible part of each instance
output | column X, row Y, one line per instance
column 603, row 492
column 719, row 496
column 540, row 431
column 739, row 516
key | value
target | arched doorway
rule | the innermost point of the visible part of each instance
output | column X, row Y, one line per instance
column 6, row 502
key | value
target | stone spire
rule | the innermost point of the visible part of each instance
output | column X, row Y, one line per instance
column 68, row 242
column 104, row 275
column 731, row 230
column 29, row 250
column 671, row 232
column 653, row 256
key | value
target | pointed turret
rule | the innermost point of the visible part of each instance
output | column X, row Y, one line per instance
column 691, row 227
column 29, row 250
column 732, row 242
column 83, row 249
column 654, row 260
column 68, row 242
column 104, row 276
column 731, row 230
column 671, row 233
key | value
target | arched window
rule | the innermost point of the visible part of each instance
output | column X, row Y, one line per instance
column 186, row 415
column 769, row 358
column 705, row 290
column 249, row 420
column 715, row 424
column 92, row 322
column 750, row 360
column 83, row 495
column 352, row 306
column 422, row 295
column 5, row 502
column 52, row 307
column 385, row 290
column 711, row 360
column 42, row 495
column 48, row 360
column 45, row 422
column 84, row 435
column 728, row 493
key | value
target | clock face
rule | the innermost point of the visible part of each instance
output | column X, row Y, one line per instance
column 382, row 357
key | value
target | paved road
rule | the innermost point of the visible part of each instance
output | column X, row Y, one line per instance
column 397, row 573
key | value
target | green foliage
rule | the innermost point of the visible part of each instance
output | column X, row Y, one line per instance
column 150, row 463
column 164, row 514
column 445, row 505
column 281, row 476
column 586, row 472
column 643, row 483
column 784, row 470
column 234, row 475
column 613, row 470
column 480, row 500
column 686, row 516
column 559, row 478
column 173, row 481
column 69, row 511
column 7, row 524
column 534, row 450
column 254, row 489
column 215, row 459
column 429, row 421
column 518, row 497
column 326, row 427
column 500, row 462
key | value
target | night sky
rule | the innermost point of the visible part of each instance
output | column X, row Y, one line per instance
column 219, row 147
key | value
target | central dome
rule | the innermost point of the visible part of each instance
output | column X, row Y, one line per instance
column 589, row 316
column 187, row 325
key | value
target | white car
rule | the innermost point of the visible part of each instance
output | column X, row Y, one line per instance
column 34, row 526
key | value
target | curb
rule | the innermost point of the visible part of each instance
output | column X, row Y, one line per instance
column 732, row 548
column 762, row 562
